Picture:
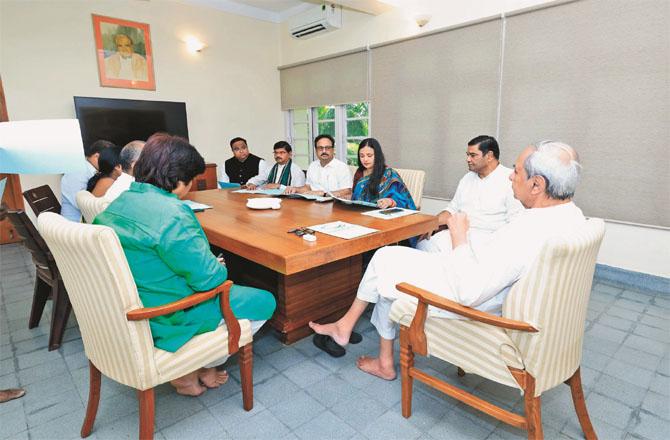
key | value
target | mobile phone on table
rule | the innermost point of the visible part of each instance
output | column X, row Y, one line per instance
column 390, row 211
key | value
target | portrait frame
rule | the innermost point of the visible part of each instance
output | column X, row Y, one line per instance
column 123, row 62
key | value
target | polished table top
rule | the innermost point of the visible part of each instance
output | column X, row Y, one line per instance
column 261, row 235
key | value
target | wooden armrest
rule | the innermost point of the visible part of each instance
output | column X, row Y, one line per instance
column 468, row 312
column 229, row 318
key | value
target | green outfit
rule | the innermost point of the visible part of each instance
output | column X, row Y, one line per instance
column 170, row 259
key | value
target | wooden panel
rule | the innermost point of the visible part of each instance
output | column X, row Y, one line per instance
column 206, row 180
column 261, row 235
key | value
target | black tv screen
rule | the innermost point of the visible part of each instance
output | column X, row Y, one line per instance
column 123, row 120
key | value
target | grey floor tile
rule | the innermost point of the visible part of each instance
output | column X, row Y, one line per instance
column 306, row 373
column 620, row 390
column 647, row 345
column 600, row 345
column 43, row 409
column 201, row 425
column 388, row 393
column 332, row 390
column 359, row 411
column 652, row 333
column 615, row 322
column 426, row 410
column 657, row 404
column 230, row 412
column 124, row 428
column 455, row 425
column 652, row 427
column 325, row 426
column 638, row 358
column 172, row 407
column 10, row 380
column 660, row 384
column 284, row 358
column 262, row 371
column 654, row 321
column 299, row 409
column 275, row 391
column 608, row 289
column 630, row 373
column 605, row 408
column 37, row 357
column 604, row 430
column 263, row 425
column 63, row 428
column 595, row 360
column 624, row 313
column 13, row 422
column 216, row 395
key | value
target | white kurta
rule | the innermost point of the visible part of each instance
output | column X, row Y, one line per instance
column 121, row 184
column 479, row 278
column 489, row 203
column 297, row 176
column 334, row 176
column 70, row 185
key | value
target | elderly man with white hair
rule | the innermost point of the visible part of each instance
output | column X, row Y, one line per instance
column 129, row 155
column 544, row 180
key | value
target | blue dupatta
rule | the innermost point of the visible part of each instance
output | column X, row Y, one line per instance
column 391, row 186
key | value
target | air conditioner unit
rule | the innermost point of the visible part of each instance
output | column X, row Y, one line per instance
column 316, row 21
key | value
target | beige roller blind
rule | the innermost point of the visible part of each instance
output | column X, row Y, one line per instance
column 595, row 74
column 431, row 95
column 338, row 80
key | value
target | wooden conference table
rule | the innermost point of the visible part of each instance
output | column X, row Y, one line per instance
column 311, row 280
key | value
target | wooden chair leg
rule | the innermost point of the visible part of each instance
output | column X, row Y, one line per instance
column 575, row 383
column 59, row 315
column 147, row 408
column 93, row 399
column 40, row 297
column 246, row 361
column 406, row 363
column 533, row 409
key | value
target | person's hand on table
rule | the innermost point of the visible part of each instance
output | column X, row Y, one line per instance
column 271, row 186
column 251, row 186
column 386, row 203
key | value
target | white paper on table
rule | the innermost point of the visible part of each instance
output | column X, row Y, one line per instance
column 389, row 213
column 3, row 183
column 51, row 146
column 195, row 206
column 343, row 229
column 267, row 192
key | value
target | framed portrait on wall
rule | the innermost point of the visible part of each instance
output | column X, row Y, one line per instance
column 123, row 51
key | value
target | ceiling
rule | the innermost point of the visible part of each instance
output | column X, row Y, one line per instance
column 278, row 11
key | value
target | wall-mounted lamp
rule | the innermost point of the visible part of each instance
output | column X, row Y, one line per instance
column 194, row 45
column 422, row 19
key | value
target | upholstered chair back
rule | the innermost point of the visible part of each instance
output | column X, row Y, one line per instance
column 553, row 297
column 101, row 288
column 90, row 205
column 414, row 181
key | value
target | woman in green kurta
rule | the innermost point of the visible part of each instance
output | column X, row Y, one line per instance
column 169, row 255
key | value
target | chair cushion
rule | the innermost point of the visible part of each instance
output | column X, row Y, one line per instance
column 475, row 347
column 201, row 350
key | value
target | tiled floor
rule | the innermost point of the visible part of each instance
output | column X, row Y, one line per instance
column 301, row 392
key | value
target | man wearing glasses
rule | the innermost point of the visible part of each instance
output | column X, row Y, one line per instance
column 326, row 174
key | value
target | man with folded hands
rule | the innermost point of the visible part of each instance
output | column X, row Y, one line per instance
column 544, row 180
column 327, row 174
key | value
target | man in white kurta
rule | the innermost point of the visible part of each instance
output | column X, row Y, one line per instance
column 484, row 194
column 271, row 177
column 479, row 278
column 129, row 155
column 327, row 174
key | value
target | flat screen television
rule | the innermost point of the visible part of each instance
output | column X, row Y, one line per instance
column 123, row 120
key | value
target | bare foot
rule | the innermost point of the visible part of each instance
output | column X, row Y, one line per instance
column 340, row 336
column 374, row 367
column 188, row 385
column 212, row 378
column 10, row 394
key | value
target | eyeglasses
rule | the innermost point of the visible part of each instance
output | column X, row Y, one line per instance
column 329, row 147
column 300, row 231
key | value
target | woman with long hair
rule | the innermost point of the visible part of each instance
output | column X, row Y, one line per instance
column 169, row 255
column 375, row 182
column 109, row 168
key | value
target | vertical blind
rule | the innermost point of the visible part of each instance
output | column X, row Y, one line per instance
column 333, row 81
column 592, row 73
column 431, row 95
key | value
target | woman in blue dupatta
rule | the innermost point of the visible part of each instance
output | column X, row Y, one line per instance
column 377, row 183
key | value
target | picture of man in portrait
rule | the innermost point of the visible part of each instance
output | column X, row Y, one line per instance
column 125, row 63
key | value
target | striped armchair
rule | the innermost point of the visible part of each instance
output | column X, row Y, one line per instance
column 90, row 205
column 534, row 346
column 114, row 325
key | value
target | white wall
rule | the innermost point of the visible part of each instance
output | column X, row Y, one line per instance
column 47, row 56
column 636, row 248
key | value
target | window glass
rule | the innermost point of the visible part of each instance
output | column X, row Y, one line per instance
column 357, row 110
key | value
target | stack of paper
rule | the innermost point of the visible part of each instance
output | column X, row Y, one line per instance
column 195, row 206
column 267, row 192
column 343, row 229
